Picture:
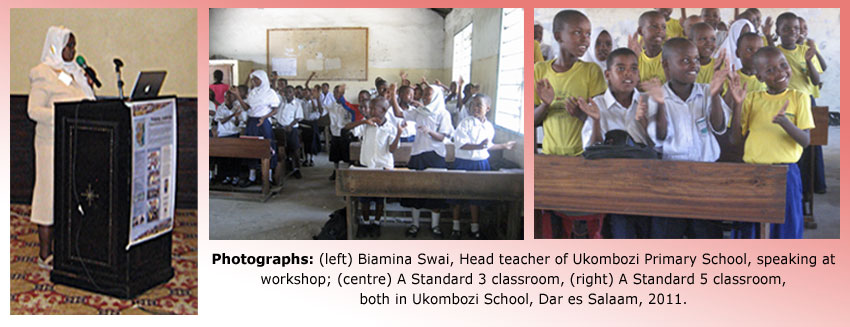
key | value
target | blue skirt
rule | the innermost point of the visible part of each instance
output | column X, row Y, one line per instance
column 793, row 226
column 264, row 130
column 421, row 161
column 470, row 165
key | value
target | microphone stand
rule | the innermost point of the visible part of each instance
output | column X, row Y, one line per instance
column 118, row 64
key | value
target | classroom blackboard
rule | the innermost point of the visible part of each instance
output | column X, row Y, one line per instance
column 334, row 53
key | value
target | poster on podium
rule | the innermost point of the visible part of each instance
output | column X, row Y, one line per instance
column 154, row 169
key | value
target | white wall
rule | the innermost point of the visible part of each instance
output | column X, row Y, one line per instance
column 824, row 28
column 399, row 39
column 485, row 58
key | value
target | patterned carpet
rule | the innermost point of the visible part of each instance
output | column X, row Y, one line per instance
column 33, row 293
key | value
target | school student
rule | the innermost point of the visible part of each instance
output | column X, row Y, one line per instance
column 685, row 125
column 313, row 111
column 704, row 37
column 775, row 126
column 260, row 103
column 433, row 126
column 404, row 101
column 558, row 83
column 218, row 87
column 379, row 139
column 601, row 45
column 653, row 31
column 287, row 117
column 473, row 140
column 729, row 46
column 339, row 117
column 673, row 26
column 621, row 107
column 229, row 115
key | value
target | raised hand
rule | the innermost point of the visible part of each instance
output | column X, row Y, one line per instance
column 810, row 53
column 780, row 116
column 588, row 107
column 634, row 44
column 392, row 90
column 720, row 76
column 736, row 89
column 642, row 108
column 768, row 24
column 654, row 89
column 545, row 91
column 424, row 80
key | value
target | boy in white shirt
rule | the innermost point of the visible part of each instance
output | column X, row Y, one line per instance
column 473, row 139
column 339, row 117
column 310, row 134
column 379, row 140
column 684, row 123
column 288, row 116
column 229, row 115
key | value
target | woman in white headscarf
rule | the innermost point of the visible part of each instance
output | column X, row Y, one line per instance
column 56, row 79
column 730, row 44
column 261, row 103
column 599, row 47
column 433, row 127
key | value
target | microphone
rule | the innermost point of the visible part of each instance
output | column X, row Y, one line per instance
column 118, row 64
column 82, row 62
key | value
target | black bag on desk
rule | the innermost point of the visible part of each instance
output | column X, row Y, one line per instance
column 335, row 228
column 619, row 144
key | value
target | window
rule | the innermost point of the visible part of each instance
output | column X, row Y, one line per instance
column 462, row 57
column 508, row 106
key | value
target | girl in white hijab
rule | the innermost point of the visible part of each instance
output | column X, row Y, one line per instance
column 433, row 127
column 56, row 79
column 261, row 103
column 730, row 44
column 599, row 48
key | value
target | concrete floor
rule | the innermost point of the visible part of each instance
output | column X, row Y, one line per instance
column 826, row 211
column 303, row 206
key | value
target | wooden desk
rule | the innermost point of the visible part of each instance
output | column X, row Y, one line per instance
column 402, row 183
column 401, row 155
column 818, row 136
column 246, row 148
column 715, row 191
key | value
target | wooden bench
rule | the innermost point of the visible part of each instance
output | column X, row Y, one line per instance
column 246, row 148
column 401, row 155
column 402, row 183
column 715, row 191
column 818, row 136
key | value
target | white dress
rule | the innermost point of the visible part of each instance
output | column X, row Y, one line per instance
column 45, row 90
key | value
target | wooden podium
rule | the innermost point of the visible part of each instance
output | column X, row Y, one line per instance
column 96, row 203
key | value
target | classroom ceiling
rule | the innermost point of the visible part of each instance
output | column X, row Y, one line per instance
column 443, row 12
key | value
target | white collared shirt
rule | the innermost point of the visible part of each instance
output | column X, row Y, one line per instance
column 230, row 127
column 311, row 109
column 339, row 118
column 409, row 128
column 375, row 145
column 612, row 115
column 327, row 99
column 689, row 128
column 440, row 122
column 473, row 131
column 289, row 112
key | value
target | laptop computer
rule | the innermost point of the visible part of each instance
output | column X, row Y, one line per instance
column 147, row 85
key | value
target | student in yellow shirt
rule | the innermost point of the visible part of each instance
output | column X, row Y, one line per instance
column 674, row 26
column 560, row 81
column 653, row 30
column 804, row 73
column 774, row 136
column 817, row 151
column 703, row 36
column 748, row 44
column 558, row 85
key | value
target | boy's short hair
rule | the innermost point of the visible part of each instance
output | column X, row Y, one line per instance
column 289, row 87
column 363, row 91
column 218, row 74
column 328, row 85
column 403, row 88
column 697, row 26
column 764, row 52
column 379, row 81
column 299, row 87
column 565, row 16
column 672, row 45
column 644, row 17
column 484, row 98
column 618, row 53
column 379, row 99
column 746, row 35
column 783, row 17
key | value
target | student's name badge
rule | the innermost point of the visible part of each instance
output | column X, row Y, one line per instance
column 65, row 78
column 702, row 126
